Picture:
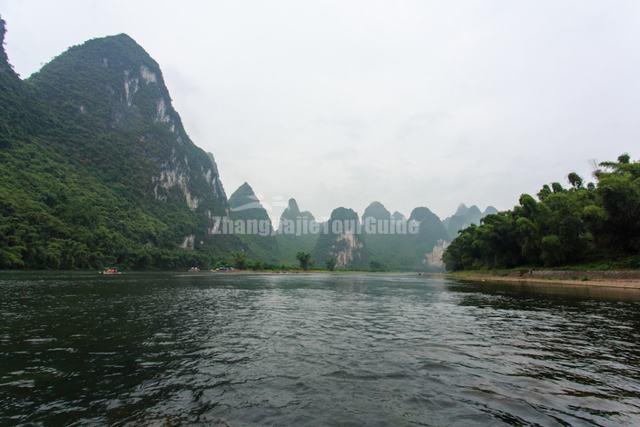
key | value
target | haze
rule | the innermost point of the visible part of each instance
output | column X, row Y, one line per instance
column 412, row 103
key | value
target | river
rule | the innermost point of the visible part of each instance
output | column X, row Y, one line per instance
column 314, row 349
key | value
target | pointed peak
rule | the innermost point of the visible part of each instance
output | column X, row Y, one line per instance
column 293, row 205
column 244, row 190
column 120, row 40
column 245, row 187
column 116, row 53
column 376, row 210
column 342, row 213
column 421, row 213
column 244, row 198
column 292, row 211
column 398, row 216
column 462, row 209
column 474, row 210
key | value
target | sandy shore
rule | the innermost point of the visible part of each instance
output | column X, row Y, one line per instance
column 588, row 279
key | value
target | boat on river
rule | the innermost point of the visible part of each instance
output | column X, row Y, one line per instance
column 110, row 271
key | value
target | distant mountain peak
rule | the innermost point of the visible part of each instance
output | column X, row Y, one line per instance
column 293, row 206
column 291, row 212
column 244, row 198
column 421, row 213
column 473, row 211
column 462, row 209
column 464, row 217
column 397, row 216
column 343, row 213
column 490, row 210
column 376, row 210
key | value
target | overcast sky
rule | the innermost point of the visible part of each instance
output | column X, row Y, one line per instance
column 411, row 103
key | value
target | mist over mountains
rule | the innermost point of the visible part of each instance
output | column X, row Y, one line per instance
column 98, row 169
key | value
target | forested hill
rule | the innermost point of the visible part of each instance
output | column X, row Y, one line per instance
column 97, row 168
column 593, row 223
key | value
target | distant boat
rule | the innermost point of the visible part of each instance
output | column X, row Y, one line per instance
column 110, row 271
column 194, row 270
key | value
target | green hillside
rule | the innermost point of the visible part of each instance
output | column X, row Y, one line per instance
column 97, row 168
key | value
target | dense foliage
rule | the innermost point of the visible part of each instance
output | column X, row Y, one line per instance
column 580, row 224
column 78, row 150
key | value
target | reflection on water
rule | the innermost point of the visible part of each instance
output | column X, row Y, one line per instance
column 314, row 349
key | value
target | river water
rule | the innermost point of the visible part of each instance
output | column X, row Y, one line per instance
column 317, row 349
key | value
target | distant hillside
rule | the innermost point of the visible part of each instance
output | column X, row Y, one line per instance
column 97, row 169
column 464, row 217
column 293, row 235
column 245, row 206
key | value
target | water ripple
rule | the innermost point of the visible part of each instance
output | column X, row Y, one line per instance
column 312, row 350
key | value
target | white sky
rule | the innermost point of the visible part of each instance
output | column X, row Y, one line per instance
column 412, row 103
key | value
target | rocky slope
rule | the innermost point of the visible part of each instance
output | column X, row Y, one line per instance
column 97, row 167
column 342, row 241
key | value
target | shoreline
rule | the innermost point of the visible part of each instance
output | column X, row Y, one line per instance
column 542, row 279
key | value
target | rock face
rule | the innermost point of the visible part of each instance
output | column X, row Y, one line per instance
column 113, row 86
column 433, row 259
column 342, row 241
column 112, row 168
column 430, row 232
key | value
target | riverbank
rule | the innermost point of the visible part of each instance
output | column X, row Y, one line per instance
column 629, row 279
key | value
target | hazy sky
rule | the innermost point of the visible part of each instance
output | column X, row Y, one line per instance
column 412, row 103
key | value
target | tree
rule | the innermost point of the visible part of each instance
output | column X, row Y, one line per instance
column 599, row 222
column 376, row 266
column 624, row 158
column 557, row 187
column 239, row 260
column 331, row 264
column 552, row 253
column 575, row 180
column 304, row 258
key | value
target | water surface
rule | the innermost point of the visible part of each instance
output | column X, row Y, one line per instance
column 318, row 349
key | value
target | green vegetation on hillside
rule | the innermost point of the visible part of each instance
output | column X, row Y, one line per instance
column 580, row 224
column 95, row 167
